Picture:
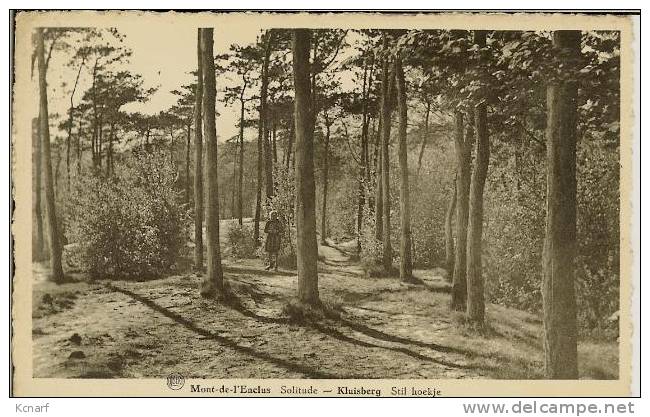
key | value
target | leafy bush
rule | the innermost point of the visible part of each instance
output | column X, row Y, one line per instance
column 131, row 224
column 240, row 241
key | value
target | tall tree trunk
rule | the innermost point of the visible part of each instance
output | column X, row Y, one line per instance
column 463, row 142
column 425, row 136
column 213, row 281
column 449, row 236
column 240, row 180
column 386, row 109
column 39, row 248
column 307, row 247
column 363, row 167
column 264, row 118
column 292, row 134
column 79, row 146
column 233, row 193
column 326, row 168
column 475, row 286
column 268, row 165
column 198, row 162
column 261, row 139
column 71, row 121
column 274, row 132
column 558, row 290
column 379, row 195
column 109, row 154
column 53, row 230
column 406, row 262
column 187, row 161
column 100, row 138
column 95, row 115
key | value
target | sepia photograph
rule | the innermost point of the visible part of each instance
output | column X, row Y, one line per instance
column 311, row 204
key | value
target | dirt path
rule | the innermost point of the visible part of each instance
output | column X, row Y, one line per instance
column 381, row 329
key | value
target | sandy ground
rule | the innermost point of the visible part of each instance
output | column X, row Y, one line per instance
column 379, row 328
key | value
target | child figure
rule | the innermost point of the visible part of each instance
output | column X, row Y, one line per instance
column 272, row 245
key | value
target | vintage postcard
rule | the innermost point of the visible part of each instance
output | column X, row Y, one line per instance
column 332, row 204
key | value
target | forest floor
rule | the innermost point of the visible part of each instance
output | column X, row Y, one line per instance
column 377, row 328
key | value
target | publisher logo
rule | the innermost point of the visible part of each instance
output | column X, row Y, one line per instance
column 175, row 381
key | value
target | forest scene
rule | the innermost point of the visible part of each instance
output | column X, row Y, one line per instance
column 325, row 203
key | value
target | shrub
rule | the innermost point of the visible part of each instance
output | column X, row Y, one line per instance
column 240, row 241
column 131, row 224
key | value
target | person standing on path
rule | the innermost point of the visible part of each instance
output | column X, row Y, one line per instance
column 272, row 244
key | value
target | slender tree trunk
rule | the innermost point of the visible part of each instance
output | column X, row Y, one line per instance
column 463, row 158
column 379, row 194
column 240, row 180
column 307, row 247
column 560, row 344
column 326, row 168
column 274, row 141
column 386, row 108
column 264, row 118
column 425, row 136
column 261, row 139
column 475, row 286
column 233, row 194
column 213, row 281
column 95, row 116
column 100, row 138
column 70, row 123
column 363, row 167
column 292, row 134
column 198, row 162
column 449, row 235
column 109, row 154
column 39, row 248
column 53, row 230
column 187, row 161
column 406, row 262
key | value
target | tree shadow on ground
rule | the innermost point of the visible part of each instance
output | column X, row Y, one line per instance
column 308, row 372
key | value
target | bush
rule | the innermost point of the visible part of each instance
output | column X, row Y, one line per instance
column 128, row 225
column 240, row 241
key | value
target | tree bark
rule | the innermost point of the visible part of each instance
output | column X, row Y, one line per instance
column 198, row 162
column 406, row 261
column 475, row 291
column 109, row 154
column 39, row 248
column 475, row 285
column 463, row 142
column 53, row 230
column 307, row 247
column 449, row 236
column 240, row 180
column 379, row 194
column 261, row 140
column 363, row 167
column 187, row 161
column 560, row 344
column 233, row 180
column 264, row 118
column 425, row 136
column 213, row 281
column 95, row 116
column 386, row 108
column 292, row 134
column 326, row 168
column 78, row 145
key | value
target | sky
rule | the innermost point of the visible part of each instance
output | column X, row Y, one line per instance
column 164, row 56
